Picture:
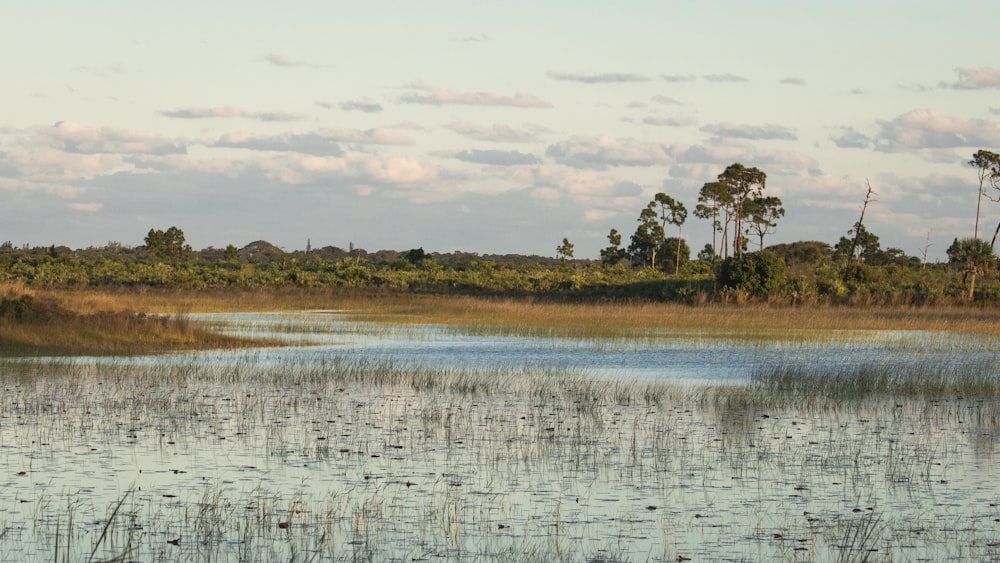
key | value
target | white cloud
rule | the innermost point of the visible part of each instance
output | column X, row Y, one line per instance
column 498, row 132
column 975, row 79
column 439, row 96
column 365, row 105
column 598, row 153
column 849, row 138
column 757, row 132
column 318, row 142
column 726, row 78
column 75, row 137
column 227, row 112
column 665, row 100
column 282, row 60
column 932, row 129
column 674, row 78
column 682, row 121
column 496, row 158
column 600, row 78
column 87, row 207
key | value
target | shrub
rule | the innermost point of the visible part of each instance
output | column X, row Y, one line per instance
column 758, row 274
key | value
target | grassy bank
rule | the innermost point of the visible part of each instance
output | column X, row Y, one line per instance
column 132, row 321
column 40, row 324
column 401, row 307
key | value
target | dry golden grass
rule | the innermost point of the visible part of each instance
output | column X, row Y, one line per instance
column 514, row 313
column 43, row 324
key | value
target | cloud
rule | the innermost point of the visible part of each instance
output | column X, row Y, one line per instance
column 497, row 158
column 89, row 207
column 601, row 152
column 321, row 142
column 725, row 151
column 793, row 81
column 227, row 112
column 851, row 139
column 975, row 79
column 438, row 97
column 674, row 78
column 364, row 104
column 665, row 100
column 756, row 132
column 351, row 170
column 602, row 78
column 669, row 121
column 498, row 132
column 72, row 137
column 278, row 59
column 930, row 129
column 995, row 111
column 725, row 78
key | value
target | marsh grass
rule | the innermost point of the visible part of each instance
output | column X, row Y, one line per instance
column 38, row 324
column 875, row 380
column 572, row 319
column 358, row 458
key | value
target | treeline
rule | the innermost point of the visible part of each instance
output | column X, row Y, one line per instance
column 808, row 272
column 855, row 270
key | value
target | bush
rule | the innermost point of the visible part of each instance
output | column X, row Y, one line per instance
column 758, row 274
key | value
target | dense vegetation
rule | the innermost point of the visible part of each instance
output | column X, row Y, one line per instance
column 855, row 270
column 808, row 272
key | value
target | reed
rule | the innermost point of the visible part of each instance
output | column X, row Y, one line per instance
column 34, row 324
column 586, row 319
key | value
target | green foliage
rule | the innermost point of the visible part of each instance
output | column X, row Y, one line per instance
column 758, row 274
column 565, row 250
column 647, row 238
column 674, row 253
column 614, row 253
column 167, row 245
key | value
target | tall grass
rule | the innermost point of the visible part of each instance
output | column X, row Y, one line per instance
column 593, row 319
column 878, row 381
column 362, row 458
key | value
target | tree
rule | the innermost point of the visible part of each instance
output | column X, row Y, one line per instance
column 742, row 184
column 973, row 257
column 614, row 253
column 713, row 198
column 167, row 245
column 863, row 246
column 647, row 238
column 988, row 165
column 763, row 213
column 564, row 250
column 858, row 228
column 675, row 252
column 415, row 256
column 673, row 212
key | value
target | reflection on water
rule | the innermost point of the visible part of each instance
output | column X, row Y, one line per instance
column 652, row 355
column 266, row 455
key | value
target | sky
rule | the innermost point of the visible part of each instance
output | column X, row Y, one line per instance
column 489, row 127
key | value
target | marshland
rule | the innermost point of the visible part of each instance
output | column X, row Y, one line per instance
column 325, row 426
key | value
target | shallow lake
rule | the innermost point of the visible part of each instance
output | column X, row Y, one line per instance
column 680, row 356
column 365, row 441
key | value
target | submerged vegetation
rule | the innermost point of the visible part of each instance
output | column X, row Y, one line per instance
column 355, row 458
